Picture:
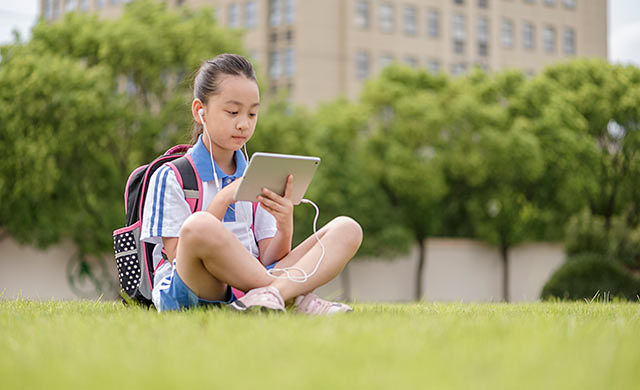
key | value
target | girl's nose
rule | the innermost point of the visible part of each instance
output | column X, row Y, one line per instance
column 242, row 124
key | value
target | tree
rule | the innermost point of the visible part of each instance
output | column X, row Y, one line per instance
column 403, row 146
column 83, row 103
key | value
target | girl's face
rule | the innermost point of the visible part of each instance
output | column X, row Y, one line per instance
column 231, row 115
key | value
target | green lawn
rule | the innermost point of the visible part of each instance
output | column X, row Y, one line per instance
column 91, row 345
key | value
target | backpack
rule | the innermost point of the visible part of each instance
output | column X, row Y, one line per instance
column 134, row 258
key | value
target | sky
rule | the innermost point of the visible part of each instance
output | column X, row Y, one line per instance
column 624, row 25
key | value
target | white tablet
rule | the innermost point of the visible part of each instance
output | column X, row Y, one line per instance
column 270, row 170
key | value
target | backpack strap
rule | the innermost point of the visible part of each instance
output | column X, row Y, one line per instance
column 189, row 181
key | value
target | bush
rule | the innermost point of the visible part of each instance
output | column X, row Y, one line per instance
column 584, row 275
column 586, row 233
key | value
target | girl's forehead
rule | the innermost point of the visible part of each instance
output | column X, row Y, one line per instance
column 238, row 89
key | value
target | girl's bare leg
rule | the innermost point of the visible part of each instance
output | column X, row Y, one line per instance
column 209, row 257
column 341, row 238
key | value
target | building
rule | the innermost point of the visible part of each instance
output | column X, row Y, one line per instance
column 321, row 49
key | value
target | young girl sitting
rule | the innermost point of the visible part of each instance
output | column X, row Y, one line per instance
column 216, row 248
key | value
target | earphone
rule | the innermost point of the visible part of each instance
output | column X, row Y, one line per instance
column 271, row 272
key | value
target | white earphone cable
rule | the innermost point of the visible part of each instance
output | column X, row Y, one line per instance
column 303, row 276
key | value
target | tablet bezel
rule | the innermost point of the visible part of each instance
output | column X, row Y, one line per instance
column 270, row 170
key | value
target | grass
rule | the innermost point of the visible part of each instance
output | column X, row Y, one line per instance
column 586, row 345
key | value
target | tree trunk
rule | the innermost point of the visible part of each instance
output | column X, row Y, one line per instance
column 504, row 251
column 421, row 261
column 345, row 278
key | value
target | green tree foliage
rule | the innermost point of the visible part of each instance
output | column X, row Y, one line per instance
column 404, row 149
column 84, row 102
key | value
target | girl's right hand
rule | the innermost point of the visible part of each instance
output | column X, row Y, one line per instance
column 227, row 193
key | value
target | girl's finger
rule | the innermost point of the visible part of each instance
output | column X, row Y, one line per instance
column 268, row 202
column 288, row 187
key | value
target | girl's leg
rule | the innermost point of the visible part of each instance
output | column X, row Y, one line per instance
column 209, row 256
column 341, row 238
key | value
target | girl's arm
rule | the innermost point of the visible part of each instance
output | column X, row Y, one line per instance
column 222, row 200
column 281, row 207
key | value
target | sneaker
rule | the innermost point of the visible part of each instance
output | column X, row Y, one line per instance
column 263, row 298
column 312, row 304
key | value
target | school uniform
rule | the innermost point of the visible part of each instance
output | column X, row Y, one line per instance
column 166, row 209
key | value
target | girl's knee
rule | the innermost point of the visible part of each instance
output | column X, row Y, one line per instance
column 349, row 229
column 200, row 227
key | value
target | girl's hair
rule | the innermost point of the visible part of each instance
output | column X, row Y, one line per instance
column 207, row 80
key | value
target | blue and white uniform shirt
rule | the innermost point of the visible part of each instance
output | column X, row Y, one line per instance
column 165, row 207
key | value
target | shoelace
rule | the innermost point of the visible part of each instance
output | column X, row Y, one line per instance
column 270, row 295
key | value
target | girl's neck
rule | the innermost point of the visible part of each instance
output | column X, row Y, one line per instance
column 223, row 158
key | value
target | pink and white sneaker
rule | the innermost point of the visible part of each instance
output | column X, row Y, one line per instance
column 263, row 298
column 312, row 304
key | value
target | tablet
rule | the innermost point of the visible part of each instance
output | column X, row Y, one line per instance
column 270, row 170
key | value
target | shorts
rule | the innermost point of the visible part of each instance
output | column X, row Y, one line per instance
column 173, row 294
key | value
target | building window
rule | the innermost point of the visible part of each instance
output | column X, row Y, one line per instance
column 70, row 5
column 114, row 2
column 386, row 17
column 569, row 41
column 433, row 23
column 362, row 14
column 483, row 3
column 569, row 4
column 289, row 35
column 274, row 12
column 483, row 36
column 48, row 11
column 458, row 69
column 289, row 11
column 507, row 33
column 411, row 62
column 458, row 2
column 362, row 65
column 274, row 65
column 410, row 20
column 433, row 66
column 289, row 62
column 55, row 13
column 99, row 4
column 233, row 16
column 550, row 3
column 530, row 1
column 84, row 5
column 385, row 60
column 528, row 36
column 549, row 38
column 250, row 14
column 458, row 33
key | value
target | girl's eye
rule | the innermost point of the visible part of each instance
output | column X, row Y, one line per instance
column 233, row 112
column 252, row 115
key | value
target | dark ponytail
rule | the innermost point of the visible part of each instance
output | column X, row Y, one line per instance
column 207, row 80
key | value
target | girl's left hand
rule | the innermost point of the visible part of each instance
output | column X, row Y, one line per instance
column 280, row 207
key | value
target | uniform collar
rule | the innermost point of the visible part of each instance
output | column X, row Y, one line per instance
column 202, row 161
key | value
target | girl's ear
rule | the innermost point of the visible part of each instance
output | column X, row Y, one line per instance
column 196, row 106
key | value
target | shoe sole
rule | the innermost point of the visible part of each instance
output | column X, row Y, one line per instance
column 254, row 309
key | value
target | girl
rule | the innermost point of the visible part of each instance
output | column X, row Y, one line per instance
column 216, row 248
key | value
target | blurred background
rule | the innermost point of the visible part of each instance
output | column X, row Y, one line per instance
column 487, row 147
